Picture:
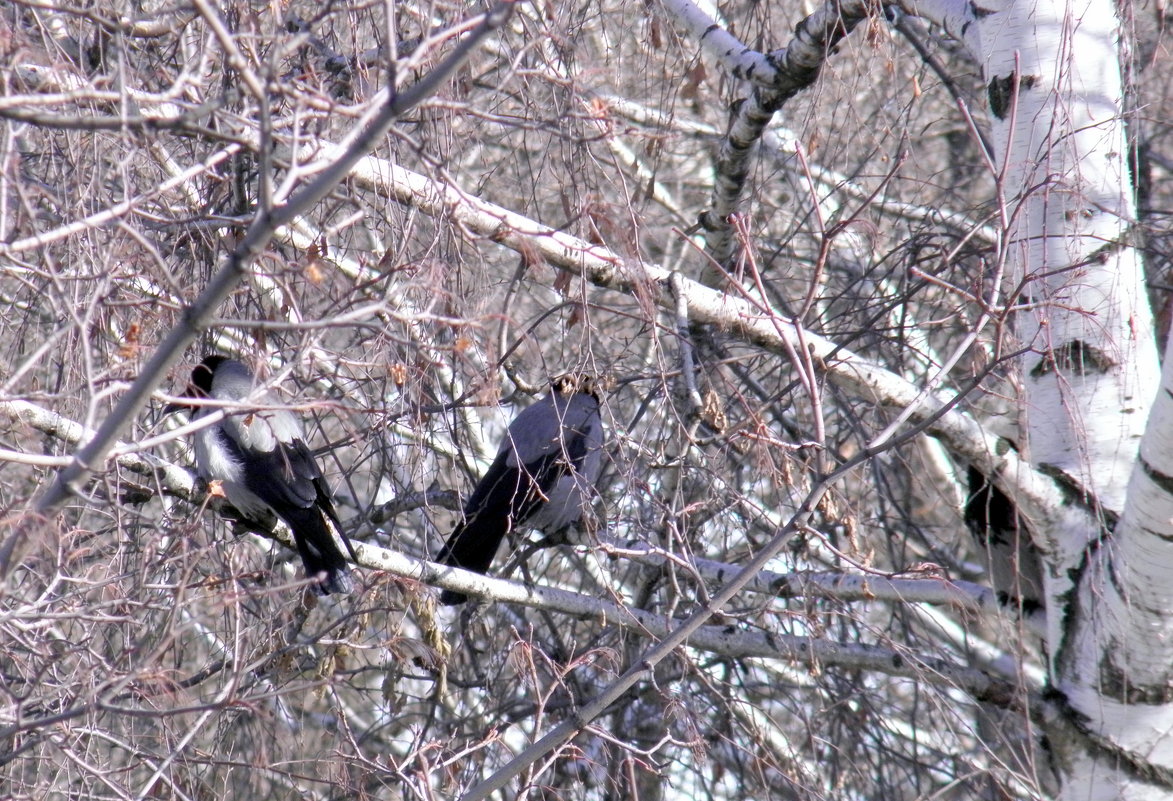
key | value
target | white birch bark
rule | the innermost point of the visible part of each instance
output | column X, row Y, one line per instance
column 1053, row 76
column 1056, row 98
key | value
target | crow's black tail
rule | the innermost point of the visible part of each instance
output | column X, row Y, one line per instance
column 320, row 554
column 472, row 546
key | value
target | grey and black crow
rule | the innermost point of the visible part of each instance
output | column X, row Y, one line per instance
column 543, row 477
column 1016, row 572
column 260, row 458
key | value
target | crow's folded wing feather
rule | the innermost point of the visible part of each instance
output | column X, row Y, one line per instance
column 287, row 478
column 505, row 497
column 1016, row 572
column 279, row 473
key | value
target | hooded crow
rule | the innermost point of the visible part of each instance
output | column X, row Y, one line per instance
column 1002, row 534
column 542, row 477
column 261, row 460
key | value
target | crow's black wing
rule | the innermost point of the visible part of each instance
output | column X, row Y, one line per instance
column 322, row 492
column 289, row 481
column 282, row 476
column 544, row 443
column 1015, row 569
column 505, row 497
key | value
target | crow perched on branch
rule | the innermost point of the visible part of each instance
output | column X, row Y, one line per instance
column 260, row 458
column 542, row 477
column 1015, row 570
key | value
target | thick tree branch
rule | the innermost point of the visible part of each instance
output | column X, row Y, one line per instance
column 181, row 482
column 172, row 478
column 743, row 63
column 841, row 586
column 782, row 144
column 688, row 632
column 796, row 67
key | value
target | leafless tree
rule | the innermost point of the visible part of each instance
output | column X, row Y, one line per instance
column 857, row 281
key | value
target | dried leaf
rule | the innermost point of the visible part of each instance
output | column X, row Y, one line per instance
column 576, row 316
column 692, row 81
column 416, row 652
column 130, row 342
column 713, row 413
column 315, row 261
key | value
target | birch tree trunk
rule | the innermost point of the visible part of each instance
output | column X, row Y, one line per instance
column 1053, row 77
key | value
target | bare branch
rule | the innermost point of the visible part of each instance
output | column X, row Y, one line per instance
column 365, row 137
column 763, row 327
column 798, row 66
